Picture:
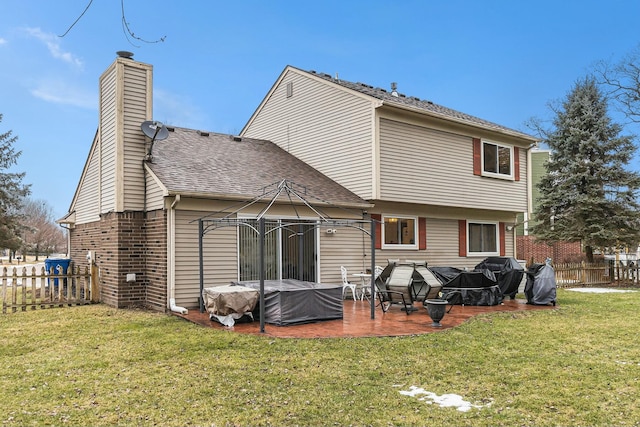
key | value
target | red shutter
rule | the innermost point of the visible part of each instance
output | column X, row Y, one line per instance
column 516, row 163
column 378, row 219
column 462, row 238
column 477, row 157
column 422, row 233
column 503, row 244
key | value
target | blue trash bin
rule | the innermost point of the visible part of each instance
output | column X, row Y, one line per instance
column 59, row 265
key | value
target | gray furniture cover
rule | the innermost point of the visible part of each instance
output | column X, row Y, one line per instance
column 290, row 301
column 541, row 285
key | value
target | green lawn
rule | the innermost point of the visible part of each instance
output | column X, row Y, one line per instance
column 94, row 365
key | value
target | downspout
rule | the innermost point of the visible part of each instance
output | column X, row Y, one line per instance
column 170, row 255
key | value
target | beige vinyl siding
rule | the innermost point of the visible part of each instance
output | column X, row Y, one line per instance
column 421, row 165
column 108, row 140
column 220, row 257
column 155, row 194
column 338, row 141
column 88, row 202
column 136, row 110
column 348, row 247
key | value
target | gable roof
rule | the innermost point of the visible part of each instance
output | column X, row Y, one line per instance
column 413, row 103
column 214, row 165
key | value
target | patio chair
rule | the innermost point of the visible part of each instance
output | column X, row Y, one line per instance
column 425, row 284
column 397, row 289
column 346, row 284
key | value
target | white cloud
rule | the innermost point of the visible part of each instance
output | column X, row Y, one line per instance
column 3, row 41
column 60, row 92
column 53, row 44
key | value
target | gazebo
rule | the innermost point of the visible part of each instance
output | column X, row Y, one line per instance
column 285, row 192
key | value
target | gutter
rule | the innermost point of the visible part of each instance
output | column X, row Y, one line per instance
column 171, row 260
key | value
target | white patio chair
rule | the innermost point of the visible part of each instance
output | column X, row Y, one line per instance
column 346, row 284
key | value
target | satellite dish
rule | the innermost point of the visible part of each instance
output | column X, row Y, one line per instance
column 156, row 131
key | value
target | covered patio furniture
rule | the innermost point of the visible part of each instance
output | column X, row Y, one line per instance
column 229, row 303
column 541, row 284
column 291, row 301
column 508, row 272
column 468, row 287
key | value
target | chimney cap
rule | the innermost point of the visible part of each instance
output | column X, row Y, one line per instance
column 124, row 54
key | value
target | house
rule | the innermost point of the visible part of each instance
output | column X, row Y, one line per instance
column 527, row 248
column 446, row 186
column 443, row 185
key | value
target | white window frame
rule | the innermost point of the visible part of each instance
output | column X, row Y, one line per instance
column 510, row 176
column 400, row 245
column 497, row 237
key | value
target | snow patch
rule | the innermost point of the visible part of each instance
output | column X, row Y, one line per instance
column 444, row 401
column 599, row 290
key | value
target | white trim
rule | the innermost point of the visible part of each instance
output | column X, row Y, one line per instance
column 511, row 176
column 397, row 246
column 497, row 251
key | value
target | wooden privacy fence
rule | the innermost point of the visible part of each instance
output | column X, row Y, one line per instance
column 597, row 274
column 27, row 288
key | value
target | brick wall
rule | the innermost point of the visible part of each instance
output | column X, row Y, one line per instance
column 529, row 249
column 156, row 260
column 126, row 243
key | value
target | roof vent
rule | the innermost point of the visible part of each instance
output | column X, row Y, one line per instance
column 237, row 138
column 124, row 54
column 203, row 133
column 394, row 89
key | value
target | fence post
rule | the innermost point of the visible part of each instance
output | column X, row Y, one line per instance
column 584, row 273
column 95, row 292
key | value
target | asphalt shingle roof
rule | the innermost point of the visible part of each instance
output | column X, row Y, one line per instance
column 402, row 100
column 218, row 165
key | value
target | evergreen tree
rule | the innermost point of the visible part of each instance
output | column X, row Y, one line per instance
column 587, row 194
column 12, row 193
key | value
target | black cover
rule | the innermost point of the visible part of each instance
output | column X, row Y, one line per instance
column 508, row 272
column 445, row 274
column 541, row 285
column 290, row 301
column 468, row 287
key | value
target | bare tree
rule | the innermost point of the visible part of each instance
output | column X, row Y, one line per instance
column 41, row 235
column 623, row 81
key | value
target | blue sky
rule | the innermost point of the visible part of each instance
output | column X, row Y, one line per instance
column 501, row 60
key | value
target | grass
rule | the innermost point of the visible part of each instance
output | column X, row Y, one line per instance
column 94, row 365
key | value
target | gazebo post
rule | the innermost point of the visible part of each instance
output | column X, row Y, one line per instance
column 262, row 230
column 201, row 258
column 373, row 268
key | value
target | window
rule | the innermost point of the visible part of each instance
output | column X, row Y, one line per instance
column 497, row 160
column 399, row 232
column 482, row 238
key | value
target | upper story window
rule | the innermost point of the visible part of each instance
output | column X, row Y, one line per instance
column 497, row 160
column 400, row 232
column 482, row 238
